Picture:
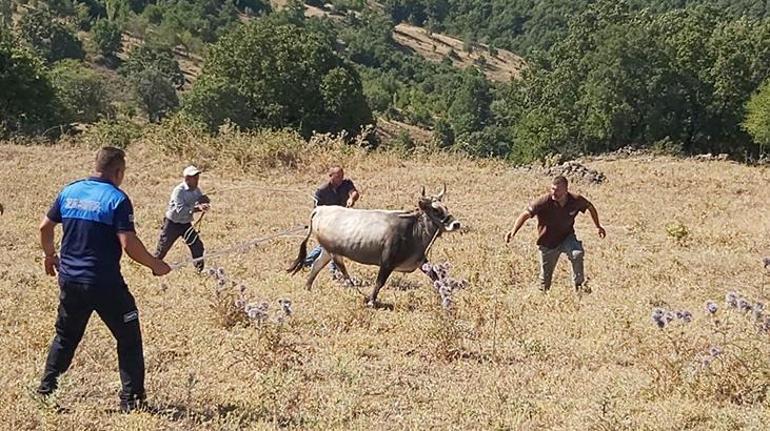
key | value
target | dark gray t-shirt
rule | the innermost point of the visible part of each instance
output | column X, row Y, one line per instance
column 328, row 195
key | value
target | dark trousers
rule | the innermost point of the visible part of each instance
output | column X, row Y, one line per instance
column 171, row 232
column 116, row 307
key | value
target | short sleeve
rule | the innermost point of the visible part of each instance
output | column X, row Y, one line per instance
column 582, row 204
column 535, row 207
column 54, row 213
column 350, row 186
column 124, row 216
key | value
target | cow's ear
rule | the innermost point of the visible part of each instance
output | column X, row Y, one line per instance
column 424, row 203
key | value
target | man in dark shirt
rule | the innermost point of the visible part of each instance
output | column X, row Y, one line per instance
column 98, row 224
column 556, row 212
column 338, row 191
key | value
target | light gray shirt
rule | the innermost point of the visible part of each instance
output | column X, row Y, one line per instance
column 182, row 203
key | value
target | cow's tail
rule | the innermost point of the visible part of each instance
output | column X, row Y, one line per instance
column 296, row 266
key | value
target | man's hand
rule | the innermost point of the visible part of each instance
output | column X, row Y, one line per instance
column 509, row 236
column 602, row 233
column 350, row 203
column 160, row 268
column 202, row 207
column 51, row 264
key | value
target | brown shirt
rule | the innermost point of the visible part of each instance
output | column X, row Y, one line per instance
column 555, row 222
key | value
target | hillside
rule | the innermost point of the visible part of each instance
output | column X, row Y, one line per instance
column 508, row 358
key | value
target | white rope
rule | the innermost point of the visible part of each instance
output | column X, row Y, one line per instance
column 239, row 248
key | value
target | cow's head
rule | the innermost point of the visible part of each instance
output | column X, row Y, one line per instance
column 437, row 211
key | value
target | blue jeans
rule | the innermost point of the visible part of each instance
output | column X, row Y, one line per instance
column 314, row 254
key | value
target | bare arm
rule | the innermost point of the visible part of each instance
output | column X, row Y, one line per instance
column 51, row 262
column 352, row 198
column 136, row 250
column 523, row 217
column 595, row 218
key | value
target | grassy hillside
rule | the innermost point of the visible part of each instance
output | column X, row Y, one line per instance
column 507, row 358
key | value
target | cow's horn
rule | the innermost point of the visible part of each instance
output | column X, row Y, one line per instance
column 441, row 193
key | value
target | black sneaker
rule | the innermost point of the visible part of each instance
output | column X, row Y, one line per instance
column 46, row 389
column 134, row 402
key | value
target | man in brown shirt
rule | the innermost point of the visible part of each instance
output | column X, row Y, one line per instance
column 556, row 214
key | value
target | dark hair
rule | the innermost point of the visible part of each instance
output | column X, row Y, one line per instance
column 109, row 160
column 560, row 180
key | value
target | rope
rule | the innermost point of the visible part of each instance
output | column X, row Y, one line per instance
column 191, row 234
column 239, row 248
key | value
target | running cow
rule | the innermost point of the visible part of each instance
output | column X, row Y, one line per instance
column 392, row 240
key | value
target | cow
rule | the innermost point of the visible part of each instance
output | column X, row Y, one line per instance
column 392, row 240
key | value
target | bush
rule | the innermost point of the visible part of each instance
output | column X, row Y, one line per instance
column 114, row 133
column 81, row 95
column 107, row 36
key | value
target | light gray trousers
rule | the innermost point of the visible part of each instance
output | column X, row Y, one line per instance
column 550, row 256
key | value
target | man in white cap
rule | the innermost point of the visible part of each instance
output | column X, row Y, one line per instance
column 186, row 198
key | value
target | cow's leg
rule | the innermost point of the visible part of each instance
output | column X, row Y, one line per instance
column 382, row 277
column 318, row 265
column 338, row 261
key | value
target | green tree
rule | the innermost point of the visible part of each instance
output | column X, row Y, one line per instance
column 49, row 36
column 107, row 36
column 159, row 58
column 291, row 77
column 80, row 93
column 154, row 93
column 26, row 96
column 214, row 101
column 757, row 122
column 470, row 109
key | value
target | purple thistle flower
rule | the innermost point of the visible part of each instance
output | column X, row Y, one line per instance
column 252, row 313
column 221, row 282
column 711, row 307
column 685, row 316
column 731, row 299
column 285, row 306
column 744, row 305
column 427, row 268
column 240, row 303
column 715, row 351
column 658, row 317
column 766, row 262
column 669, row 316
column 446, row 302
column 766, row 325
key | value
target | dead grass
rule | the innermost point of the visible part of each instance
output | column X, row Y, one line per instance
column 507, row 358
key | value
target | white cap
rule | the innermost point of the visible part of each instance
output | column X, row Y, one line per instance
column 191, row 171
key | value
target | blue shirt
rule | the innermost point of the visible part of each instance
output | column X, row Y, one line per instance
column 92, row 212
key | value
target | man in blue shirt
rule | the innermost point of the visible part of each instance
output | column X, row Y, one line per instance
column 98, row 224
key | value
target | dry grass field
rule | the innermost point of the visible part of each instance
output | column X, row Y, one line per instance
column 506, row 356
